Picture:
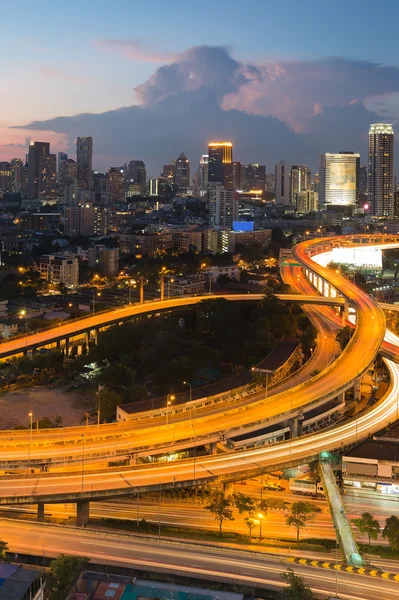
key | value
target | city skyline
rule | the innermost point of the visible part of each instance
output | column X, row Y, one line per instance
column 291, row 101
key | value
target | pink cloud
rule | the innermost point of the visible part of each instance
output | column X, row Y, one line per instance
column 136, row 51
column 14, row 142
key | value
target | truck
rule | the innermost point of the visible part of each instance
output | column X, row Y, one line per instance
column 307, row 487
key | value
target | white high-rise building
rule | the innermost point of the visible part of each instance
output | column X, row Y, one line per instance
column 203, row 171
column 282, row 183
column 380, row 177
column 339, row 179
column 223, row 206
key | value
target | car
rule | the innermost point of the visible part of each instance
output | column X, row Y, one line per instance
column 274, row 487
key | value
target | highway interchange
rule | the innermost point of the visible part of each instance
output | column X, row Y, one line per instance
column 353, row 362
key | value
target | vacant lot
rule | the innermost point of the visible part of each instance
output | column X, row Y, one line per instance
column 16, row 405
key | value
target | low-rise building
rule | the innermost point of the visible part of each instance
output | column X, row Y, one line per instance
column 36, row 221
column 18, row 583
column 8, row 327
column 187, row 239
column 185, row 286
column 231, row 271
column 106, row 260
column 229, row 240
column 60, row 268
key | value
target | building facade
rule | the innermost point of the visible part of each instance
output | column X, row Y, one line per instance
column 380, row 179
column 182, row 177
column 282, row 183
column 339, row 179
column 223, row 206
column 220, row 164
column 58, row 268
column 84, row 160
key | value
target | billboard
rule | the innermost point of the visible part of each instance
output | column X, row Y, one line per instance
column 243, row 225
column 343, row 175
column 359, row 257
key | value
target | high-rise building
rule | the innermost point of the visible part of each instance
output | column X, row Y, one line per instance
column 253, row 177
column 67, row 173
column 380, row 184
column 237, row 175
column 307, row 201
column 282, row 183
column 299, row 180
column 61, row 156
column 220, row 164
column 203, row 171
column 79, row 220
column 136, row 173
column 36, row 150
column 47, row 186
column 17, row 167
column 116, row 185
column 84, row 159
column 223, row 206
column 363, row 181
column 182, row 178
column 6, row 178
column 339, row 179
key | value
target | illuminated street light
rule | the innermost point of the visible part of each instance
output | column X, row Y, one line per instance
column 260, row 517
column 191, row 397
column 22, row 314
column 30, row 435
column 169, row 400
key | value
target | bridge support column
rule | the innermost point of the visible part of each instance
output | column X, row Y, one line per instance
column 82, row 513
column 40, row 511
column 213, row 449
column 58, row 344
column 296, row 426
column 141, row 290
column 227, row 489
column 67, row 346
column 132, row 460
column 357, row 390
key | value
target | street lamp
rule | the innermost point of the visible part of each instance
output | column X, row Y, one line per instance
column 169, row 282
column 169, row 400
column 30, row 436
column 191, row 397
column 260, row 517
column 195, row 455
column 131, row 283
column 94, row 301
column 83, row 460
column 267, row 371
column 23, row 314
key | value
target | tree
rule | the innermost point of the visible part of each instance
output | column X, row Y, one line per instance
column 301, row 513
column 3, row 550
column 343, row 336
column 250, row 523
column 367, row 525
column 109, row 400
column 221, row 508
column 296, row 588
column 63, row 572
column 391, row 532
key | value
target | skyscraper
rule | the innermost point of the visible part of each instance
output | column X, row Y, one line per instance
column 220, row 164
column 36, row 150
column 47, row 185
column 84, row 159
column 182, row 177
column 116, row 185
column 137, row 173
column 299, row 181
column 203, row 171
column 253, row 177
column 282, row 183
column 380, row 180
column 223, row 206
column 339, row 179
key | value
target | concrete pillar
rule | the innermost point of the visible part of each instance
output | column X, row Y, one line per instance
column 82, row 512
column 213, row 449
column 141, row 290
column 67, row 346
column 357, row 391
column 296, row 426
column 133, row 460
column 341, row 397
column 162, row 286
column 58, row 344
column 227, row 489
column 40, row 511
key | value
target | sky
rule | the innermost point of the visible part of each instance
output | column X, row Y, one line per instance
column 282, row 80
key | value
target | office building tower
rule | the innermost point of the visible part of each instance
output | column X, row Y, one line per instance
column 299, row 180
column 169, row 171
column 271, row 182
column 237, row 175
column 223, row 206
column 282, row 183
column 36, row 150
column 116, row 185
column 363, row 172
column 47, row 185
column 182, row 178
column 220, row 164
column 17, row 167
column 84, row 159
column 61, row 156
column 203, row 171
column 6, row 178
column 339, row 179
column 136, row 173
column 79, row 220
column 67, row 173
column 380, row 183
column 253, row 177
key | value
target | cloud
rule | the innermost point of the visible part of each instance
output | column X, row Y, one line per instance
column 135, row 50
column 272, row 110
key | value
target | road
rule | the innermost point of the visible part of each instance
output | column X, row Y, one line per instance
column 164, row 556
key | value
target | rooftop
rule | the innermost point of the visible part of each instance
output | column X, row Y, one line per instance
column 17, row 583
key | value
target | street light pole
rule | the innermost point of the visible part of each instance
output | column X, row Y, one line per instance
column 83, row 460
column 30, row 436
column 169, row 400
column 195, row 456
column 191, row 398
column 267, row 371
column 260, row 517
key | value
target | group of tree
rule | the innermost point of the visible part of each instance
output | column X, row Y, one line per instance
column 63, row 573
column 368, row 525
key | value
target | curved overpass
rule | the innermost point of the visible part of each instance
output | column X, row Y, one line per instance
column 352, row 363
